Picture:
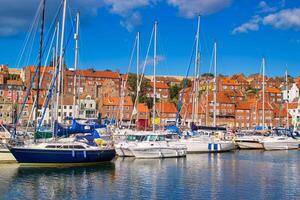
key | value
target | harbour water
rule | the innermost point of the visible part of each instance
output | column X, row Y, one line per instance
column 233, row 175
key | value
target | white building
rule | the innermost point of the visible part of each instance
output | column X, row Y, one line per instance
column 294, row 110
column 291, row 93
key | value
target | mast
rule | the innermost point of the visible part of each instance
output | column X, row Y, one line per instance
column 59, row 86
column 263, row 88
column 287, row 99
column 76, row 36
column 196, row 71
column 215, row 83
column 154, row 74
column 137, row 74
column 39, row 65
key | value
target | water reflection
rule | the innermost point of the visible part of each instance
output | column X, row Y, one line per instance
column 237, row 175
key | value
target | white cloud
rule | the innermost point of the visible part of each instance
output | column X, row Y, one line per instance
column 15, row 15
column 159, row 59
column 265, row 8
column 132, row 21
column 285, row 19
column 124, row 8
column 251, row 25
column 193, row 8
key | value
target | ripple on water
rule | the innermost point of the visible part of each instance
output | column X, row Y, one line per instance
column 234, row 175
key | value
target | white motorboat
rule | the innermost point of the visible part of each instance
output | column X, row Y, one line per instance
column 5, row 155
column 250, row 142
column 279, row 143
column 122, row 148
column 206, row 144
column 157, row 146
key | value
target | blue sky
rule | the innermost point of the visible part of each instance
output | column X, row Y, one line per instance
column 245, row 31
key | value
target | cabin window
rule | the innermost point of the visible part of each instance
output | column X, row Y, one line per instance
column 51, row 146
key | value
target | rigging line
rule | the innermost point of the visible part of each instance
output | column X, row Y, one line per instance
column 42, row 76
column 124, row 83
column 31, row 82
column 185, row 80
column 55, row 20
column 29, row 33
column 163, row 54
column 52, row 84
column 31, row 46
column 143, row 69
column 48, row 36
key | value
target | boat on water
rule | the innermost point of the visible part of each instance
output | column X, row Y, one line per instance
column 62, row 153
column 158, row 146
column 122, row 148
column 206, row 144
column 280, row 143
column 249, row 141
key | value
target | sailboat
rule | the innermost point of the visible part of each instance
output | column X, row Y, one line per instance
column 154, row 144
column 255, row 141
column 200, row 143
column 281, row 142
column 61, row 151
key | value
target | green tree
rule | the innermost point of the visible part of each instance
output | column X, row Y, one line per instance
column 186, row 82
column 144, row 89
column 174, row 92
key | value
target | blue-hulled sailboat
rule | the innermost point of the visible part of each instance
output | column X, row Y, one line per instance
column 72, row 150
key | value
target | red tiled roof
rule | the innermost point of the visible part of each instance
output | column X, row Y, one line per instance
column 159, row 85
column 116, row 101
column 293, row 105
column 229, row 81
column 166, row 107
column 244, row 105
column 94, row 73
column 46, row 68
column 272, row 90
column 14, row 82
column 142, row 108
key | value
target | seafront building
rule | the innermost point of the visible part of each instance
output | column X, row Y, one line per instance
column 239, row 98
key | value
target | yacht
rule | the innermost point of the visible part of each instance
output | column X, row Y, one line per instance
column 206, row 143
column 122, row 148
column 279, row 143
column 69, row 152
column 250, row 142
column 158, row 146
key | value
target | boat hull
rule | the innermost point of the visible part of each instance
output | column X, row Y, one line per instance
column 202, row 147
column 158, row 152
column 280, row 145
column 124, row 152
column 38, row 156
column 6, row 156
column 249, row 145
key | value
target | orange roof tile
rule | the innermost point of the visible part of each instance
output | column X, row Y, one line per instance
column 293, row 105
column 159, row 85
column 273, row 90
column 14, row 82
column 244, row 105
column 142, row 108
column 229, row 81
column 166, row 107
column 116, row 101
column 46, row 68
column 94, row 73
